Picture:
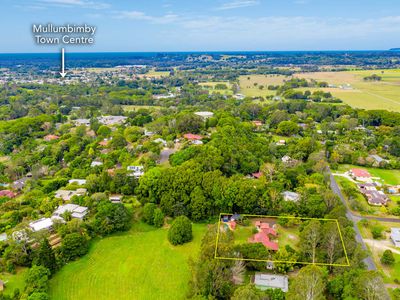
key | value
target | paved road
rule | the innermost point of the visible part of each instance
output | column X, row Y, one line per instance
column 335, row 188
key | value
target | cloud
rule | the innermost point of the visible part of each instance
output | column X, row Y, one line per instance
column 141, row 16
column 237, row 4
column 76, row 3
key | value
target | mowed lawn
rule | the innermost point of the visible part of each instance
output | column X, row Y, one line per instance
column 140, row 264
column 384, row 94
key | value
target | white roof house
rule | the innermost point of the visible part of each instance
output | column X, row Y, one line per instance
column 66, row 195
column 79, row 122
column 137, row 171
column 204, row 114
column 115, row 198
column 395, row 236
column 271, row 281
column 77, row 211
column 96, row 163
column 77, row 181
column 291, row 196
column 112, row 120
column 160, row 141
column 3, row 237
column 41, row 224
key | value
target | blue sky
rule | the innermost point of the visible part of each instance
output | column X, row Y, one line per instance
column 205, row 25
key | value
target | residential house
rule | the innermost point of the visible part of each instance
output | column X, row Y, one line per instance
column 77, row 181
column 160, row 141
column 66, row 195
column 291, row 196
column 193, row 137
column 115, row 198
column 204, row 114
column 239, row 96
column 263, row 236
column 256, row 175
column 79, row 122
column 112, row 120
column 373, row 196
column 137, row 171
column 3, row 237
column 264, row 281
column 77, row 211
column 41, row 224
column 360, row 175
column 7, row 193
column 281, row 143
column 51, row 137
column 395, row 236
column 96, row 163
column 378, row 161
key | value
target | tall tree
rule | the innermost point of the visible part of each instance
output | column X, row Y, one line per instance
column 308, row 285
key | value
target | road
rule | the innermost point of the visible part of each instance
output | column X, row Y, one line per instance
column 369, row 262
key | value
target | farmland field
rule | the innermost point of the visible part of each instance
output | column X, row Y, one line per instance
column 247, row 87
column 384, row 94
column 140, row 264
column 211, row 87
column 137, row 107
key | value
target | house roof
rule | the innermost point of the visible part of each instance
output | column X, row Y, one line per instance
column 43, row 223
column 271, row 281
column 257, row 174
column 51, row 137
column 191, row 136
column 262, row 237
column 7, row 193
column 360, row 173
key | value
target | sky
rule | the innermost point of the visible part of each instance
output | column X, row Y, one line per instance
column 206, row 25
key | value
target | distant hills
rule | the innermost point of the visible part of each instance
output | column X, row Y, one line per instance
column 394, row 49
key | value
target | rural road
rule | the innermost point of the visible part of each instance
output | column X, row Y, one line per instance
column 335, row 188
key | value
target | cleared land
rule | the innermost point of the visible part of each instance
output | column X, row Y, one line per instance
column 377, row 247
column 211, row 87
column 249, row 89
column 140, row 264
column 384, row 94
column 285, row 231
column 14, row 281
column 137, row 107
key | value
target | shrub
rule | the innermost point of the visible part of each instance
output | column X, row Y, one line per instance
column 73, row 246
column 180, row 231
column 148, row 213
column 158, row 219
column 377, row 231
column 387, row 258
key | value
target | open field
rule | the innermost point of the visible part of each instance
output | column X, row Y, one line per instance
column 137, row 107
column 14, row 281
column 210, row 86
column 247, row 87
column 384, row 94
column 140, row 264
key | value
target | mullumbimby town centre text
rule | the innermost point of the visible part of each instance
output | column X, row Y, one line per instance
column 50, row 34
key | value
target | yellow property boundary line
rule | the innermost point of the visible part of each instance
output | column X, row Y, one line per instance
column 281, row 261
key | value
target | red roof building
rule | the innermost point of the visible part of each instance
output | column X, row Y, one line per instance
column 192, row 137
column 361, row 173
column 7, row 193
column 264, row 227
column 257, row 123
column 257, row 175
column 263, row 238
column 51, row 137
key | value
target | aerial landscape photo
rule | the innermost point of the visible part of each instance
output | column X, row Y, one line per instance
column 205, row 150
